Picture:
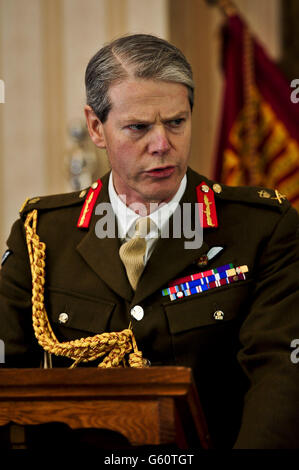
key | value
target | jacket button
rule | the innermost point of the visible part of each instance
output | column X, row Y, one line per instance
column 137, row 312
column 205, row 188
column 63, row 317
column 218, row 315
column 83, row 193
column 217, row 188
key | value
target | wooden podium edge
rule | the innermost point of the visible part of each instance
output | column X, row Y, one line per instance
column 141, row 385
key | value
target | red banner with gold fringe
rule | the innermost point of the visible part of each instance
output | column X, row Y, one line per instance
column 259, row 134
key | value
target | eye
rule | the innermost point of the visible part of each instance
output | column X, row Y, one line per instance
column 137, row 127
column 176, row 122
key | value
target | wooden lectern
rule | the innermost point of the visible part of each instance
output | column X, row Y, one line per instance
column 151, row 406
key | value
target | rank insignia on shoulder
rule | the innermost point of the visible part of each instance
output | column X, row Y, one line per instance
column 279, row 196
column 266, row 195
column 91, row 198
column 203, row 281
column 205, row 196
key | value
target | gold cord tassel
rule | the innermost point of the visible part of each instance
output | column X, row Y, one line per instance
column 115, row 345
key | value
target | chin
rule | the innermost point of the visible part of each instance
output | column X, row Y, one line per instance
column 160, row 196
column 166, row 190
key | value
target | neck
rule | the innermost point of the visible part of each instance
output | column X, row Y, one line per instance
column 142, row 207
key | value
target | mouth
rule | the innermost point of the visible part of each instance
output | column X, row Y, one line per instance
column 161, row 172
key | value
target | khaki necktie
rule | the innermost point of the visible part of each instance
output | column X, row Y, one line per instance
column 132, row 252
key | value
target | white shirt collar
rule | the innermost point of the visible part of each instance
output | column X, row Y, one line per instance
column 126, row 217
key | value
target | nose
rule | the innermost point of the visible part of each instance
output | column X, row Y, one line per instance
column 158, row 143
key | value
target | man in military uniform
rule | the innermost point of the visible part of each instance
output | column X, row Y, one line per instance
column 228, row 308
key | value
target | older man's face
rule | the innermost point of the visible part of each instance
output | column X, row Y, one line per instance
column 147, row 137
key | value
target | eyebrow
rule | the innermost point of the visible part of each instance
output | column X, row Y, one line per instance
column 139, row 120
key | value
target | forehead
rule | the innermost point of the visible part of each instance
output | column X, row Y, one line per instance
column 139, row 96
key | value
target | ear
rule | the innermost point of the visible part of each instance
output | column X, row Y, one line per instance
column 95, row 127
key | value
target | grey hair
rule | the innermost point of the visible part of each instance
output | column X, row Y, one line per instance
column 138, row 56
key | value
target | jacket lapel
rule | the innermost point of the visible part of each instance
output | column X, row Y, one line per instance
column 101, row 254
column 167, row 261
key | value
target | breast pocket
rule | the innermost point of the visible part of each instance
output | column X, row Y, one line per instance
column 214, row 307
column 73, row 315
column 205, row 327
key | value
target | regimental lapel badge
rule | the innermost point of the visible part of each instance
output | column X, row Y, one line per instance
column 86, row 212
column 205, row 196
column 203, row 281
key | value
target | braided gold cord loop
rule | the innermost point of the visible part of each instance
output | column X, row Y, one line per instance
column 115, row 345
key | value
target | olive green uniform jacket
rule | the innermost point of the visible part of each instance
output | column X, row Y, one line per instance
column 247, row 382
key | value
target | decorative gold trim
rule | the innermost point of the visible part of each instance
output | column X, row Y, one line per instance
column 86, row 206
column 208, row 211
column 24, row 204
column 119, row 347
column 34, row 200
